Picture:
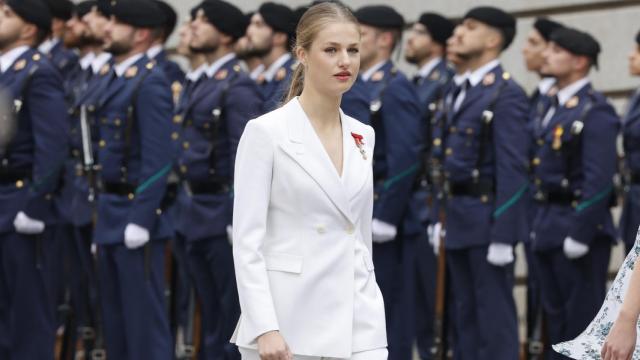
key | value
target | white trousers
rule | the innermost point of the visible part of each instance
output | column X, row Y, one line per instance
column 376, row 354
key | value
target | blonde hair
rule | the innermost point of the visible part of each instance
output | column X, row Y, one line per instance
column 314, row 20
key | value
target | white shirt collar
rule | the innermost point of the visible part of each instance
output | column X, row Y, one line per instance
column 47, row 45
column 458, row 79
column 195, row 74
column 428, row 67
column 256, row 72
column 476, row 76
column 545, row 85
column 369, row 73
column 7, row 59
column 213, row 68
column 270, row 73
column 126, row 64
column 99, row 61
column 86, row 60
column 154, row 51
column 568, row 91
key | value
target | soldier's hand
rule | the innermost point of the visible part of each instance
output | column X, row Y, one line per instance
column 26, row 225
column 135, row 236
column 435, row 236
column 382, row 232
column 500, row 254
column 271, row 346
column 230, row 234
column 574, row 249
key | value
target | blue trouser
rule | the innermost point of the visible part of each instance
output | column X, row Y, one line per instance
column 131, row 294
column 210, row 264
column 394, row 263
column 426, row 272
column 182, row 281
column 27, row 296
column 572, row 290
column 485, row 311
column 83, row 276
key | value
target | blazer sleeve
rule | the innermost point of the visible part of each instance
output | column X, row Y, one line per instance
column 252, row 187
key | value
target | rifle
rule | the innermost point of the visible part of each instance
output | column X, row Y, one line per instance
column 90, row 169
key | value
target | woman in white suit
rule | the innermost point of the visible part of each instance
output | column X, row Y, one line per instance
column 303, row 209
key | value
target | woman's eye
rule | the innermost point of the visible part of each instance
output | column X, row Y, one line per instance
column 330, row 50
column 354, row 50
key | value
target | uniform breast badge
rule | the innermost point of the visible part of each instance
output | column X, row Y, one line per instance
column 557, row 138
column 360, row 144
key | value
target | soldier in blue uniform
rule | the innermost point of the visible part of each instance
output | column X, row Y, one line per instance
column 210, row 118
column 426, row 48
column 30, row 166
column 134, row 115
column 251, row 58
column 63, row 58
column 573, row 166
column 157, row 53
column 485, row 168
column 270, row 34
column 533, row 53
column 630, row 220
column 383, row 97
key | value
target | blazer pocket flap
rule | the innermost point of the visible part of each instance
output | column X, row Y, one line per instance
column 283, row 262
column 368, row 263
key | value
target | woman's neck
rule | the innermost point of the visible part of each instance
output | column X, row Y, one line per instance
column 322, row 110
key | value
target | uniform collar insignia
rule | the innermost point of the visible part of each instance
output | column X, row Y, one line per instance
column 489, row 79
column 573, row 102
column 435, row 75
column 377, row 76
column 222, row 74
column 131, row 72
column 281, row 74
column 20, row 65
column 105, row 69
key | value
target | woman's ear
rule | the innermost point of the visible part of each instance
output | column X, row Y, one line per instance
column 301, row 55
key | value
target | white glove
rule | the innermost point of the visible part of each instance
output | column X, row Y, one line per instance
column 135, row 236
column 435, row 236
column 382, row 232
column 230, row 234
column 500, row 254
column 574, row 249
column 27, row 225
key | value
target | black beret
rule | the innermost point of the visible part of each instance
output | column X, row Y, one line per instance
column 438, row 26
column 138, row 13
column 546, row 27
column 298, row 12
column 638, row 38
column 225, row 17
column 170, row 17
column 32, row 11
column 83, row 8
column 279, row 17
column 496, row 18
column 577, row 43
column 60, row 9
column 380, row 16
column 104, row 7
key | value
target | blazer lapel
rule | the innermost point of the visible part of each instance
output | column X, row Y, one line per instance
column 355, row 168
column 306, row 149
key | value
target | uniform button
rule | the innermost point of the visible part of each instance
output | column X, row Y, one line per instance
column 448, row 152
column 453, row 129
column 183, row 169
column 185, row 145
column 535, row 161
column 177, row 119
column 19, row 184
column 130, row 196
column 321, row 229
column 540, row 142
column 206, row 125
column 48, row 197
column 469, row 131
column 537, row 181
column 600, row 226
column 574, row 204
column 437, row 142
column 117, row 122
column 102, row 143
column 175, row 136
column 103, row 120
column 158, row 211
column 484, row 198
column 76, row 152
column 376, row 196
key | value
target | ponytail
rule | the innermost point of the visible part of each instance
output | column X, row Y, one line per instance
column 297, row 83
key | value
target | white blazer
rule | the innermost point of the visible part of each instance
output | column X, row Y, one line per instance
column 295, row 225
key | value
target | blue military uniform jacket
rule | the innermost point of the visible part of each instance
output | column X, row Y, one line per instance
column 430, row 90
column 139, row 100
column 209, row 121
column 394, row 112
column 64, row 59
column 631, row 138
column 499, row 216
column 35, row 155
column 172, row 70
column 274, row 91
column 575, row 159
